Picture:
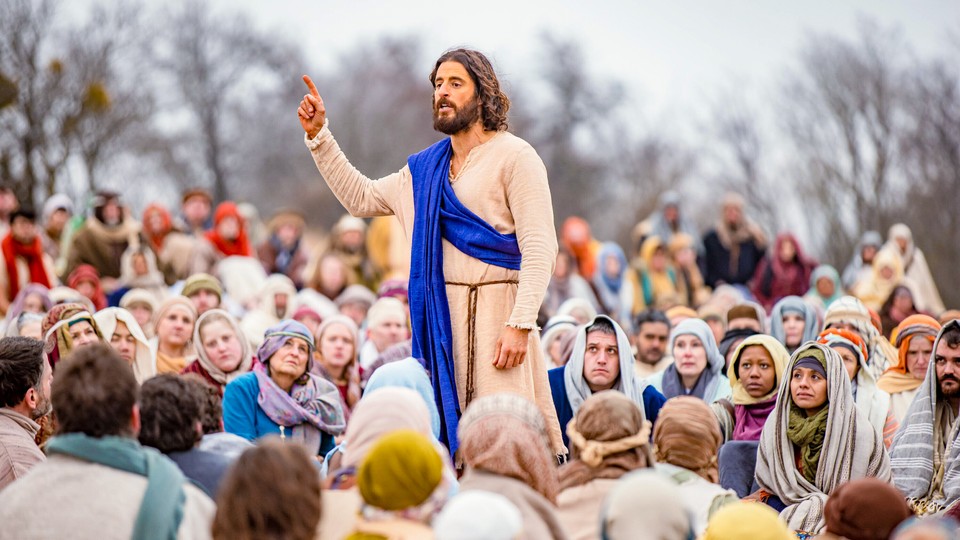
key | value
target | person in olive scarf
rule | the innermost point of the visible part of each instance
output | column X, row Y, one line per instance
column 815, row 440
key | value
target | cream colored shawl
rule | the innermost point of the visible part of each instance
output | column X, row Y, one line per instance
column 852, row 449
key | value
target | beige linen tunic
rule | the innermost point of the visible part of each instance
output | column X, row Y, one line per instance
column 504, row 182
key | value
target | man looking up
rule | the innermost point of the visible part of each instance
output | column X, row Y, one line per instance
column 473, row 303
column 601, row 360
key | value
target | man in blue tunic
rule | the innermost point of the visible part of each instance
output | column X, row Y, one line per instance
column 476, row 207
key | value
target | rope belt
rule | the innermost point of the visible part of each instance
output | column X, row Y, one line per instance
column 473, row 291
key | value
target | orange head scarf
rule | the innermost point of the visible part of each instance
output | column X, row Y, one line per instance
column 911, row 327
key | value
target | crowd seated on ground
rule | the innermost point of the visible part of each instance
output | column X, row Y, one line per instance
column 181, row 377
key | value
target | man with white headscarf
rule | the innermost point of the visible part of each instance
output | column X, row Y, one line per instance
column 602, row 360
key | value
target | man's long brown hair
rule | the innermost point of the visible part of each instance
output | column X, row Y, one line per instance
column 494, row 104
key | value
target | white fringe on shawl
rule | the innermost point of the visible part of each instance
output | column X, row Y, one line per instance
column 852, row 448
column 912, row 452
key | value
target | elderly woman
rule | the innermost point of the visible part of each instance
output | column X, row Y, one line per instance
column 223, row 352
column 126, row 337
column 687, row 439
column 913, row 339
column 816, row 440
column 873, row 402
column 505, row 449
column 697, row 368
column 281, row 396
column 336, row 358
column 174, row 327
column 66, row 327
column 794, row 322
column 610, row 438
column 755, row 372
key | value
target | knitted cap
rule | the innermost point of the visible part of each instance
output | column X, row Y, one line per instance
column 202, row 282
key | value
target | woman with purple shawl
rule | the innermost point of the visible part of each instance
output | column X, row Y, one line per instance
column 755, row 372
column 281, row 397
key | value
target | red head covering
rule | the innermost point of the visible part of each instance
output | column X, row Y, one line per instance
column 577, row 238
column 32, row 253
column 166, row 224
column 85, row 272
column 241, row 244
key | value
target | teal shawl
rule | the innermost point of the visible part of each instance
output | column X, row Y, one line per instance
column 161, row 509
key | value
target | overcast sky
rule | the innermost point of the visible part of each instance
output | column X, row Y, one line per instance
column 671, row 55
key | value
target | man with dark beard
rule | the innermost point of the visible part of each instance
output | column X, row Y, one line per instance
column 927, row 468
column 473, row 205
column 25, row 378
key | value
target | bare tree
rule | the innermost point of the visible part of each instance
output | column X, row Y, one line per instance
column 842, row 110
column 575, row 129
column 31, row 151
column 741, row 160
column 930, row 149
column 214, row 64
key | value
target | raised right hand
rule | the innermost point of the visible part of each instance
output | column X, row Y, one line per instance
column 311, row 112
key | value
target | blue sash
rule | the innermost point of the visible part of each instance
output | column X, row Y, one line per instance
column 437, row 215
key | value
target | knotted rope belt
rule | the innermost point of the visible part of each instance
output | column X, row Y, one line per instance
column 473, row 292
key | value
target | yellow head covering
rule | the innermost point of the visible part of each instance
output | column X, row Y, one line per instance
column 780, row 358
column 752, row 520
column 401, row 471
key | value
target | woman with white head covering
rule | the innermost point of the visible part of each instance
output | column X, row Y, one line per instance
column 698, row 365
column 124, row 334
column 223, row 351
column 900, row 240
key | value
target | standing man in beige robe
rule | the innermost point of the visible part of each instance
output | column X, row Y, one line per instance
column 498, row 183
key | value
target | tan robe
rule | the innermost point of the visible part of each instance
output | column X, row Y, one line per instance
column 504, row 182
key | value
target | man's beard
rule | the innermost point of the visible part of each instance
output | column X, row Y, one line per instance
column 462, row 118
column 44, row 406
column 645, row 358
column 955, row 392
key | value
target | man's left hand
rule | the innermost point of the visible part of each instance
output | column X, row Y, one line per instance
column 511, row 348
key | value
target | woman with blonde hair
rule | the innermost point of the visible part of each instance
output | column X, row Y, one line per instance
column 336, row 358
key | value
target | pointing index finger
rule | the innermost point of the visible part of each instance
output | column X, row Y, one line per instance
column 311, row 86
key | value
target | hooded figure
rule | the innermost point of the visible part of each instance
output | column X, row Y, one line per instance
column 785, row 271
column 901, row 379
column 794, row 305
column 915, row 268
column 858, row 268
column 204, row 366
column 887, row 273
column 669, row 221
column 872, row 402
column 742, row 417
column 56, row 330
column 925, row 455
column 658, row 280
column 711, row 384
column 570, row 388
column 825, row 287
column 144, row 363
column 850, row 311
column 271, row 309
column 836, row 445
column 612, row 283
column 610, row 439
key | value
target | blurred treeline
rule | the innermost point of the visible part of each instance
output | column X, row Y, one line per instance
column 857, row 134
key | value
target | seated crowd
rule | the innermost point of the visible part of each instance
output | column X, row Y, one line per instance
column 205, row 375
